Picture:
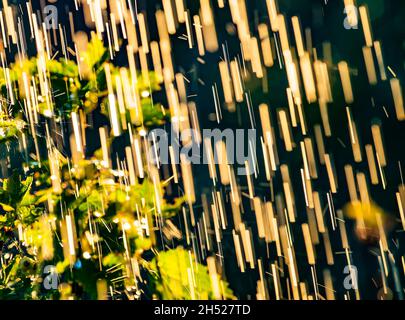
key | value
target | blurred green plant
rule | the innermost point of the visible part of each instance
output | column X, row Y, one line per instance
column 33, row 210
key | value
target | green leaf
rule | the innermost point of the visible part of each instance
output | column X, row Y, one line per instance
column 9, row 128
column 6, row 207
column 27, row 198
column 14, row 186
column 152, row 114
column 113, row 259
column 95, row 51
column 173, row 282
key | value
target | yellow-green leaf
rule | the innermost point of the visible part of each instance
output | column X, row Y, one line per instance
column 6, row 207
